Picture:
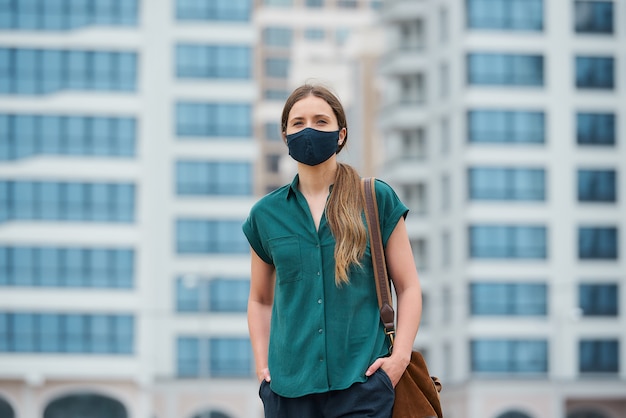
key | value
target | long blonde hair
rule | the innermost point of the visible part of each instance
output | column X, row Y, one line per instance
column 345, row 204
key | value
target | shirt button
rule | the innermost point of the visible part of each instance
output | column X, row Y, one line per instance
column 320, row 330
column 319, row 301
column 321, row 359
column 318, row 273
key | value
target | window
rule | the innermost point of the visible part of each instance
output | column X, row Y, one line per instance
column 507, row 242
column 443, row 25
column 66, row 267
column 593, row 17
column 315, row 3
column 277, row 36
column 232, row 120
column 597, row 243
column 504, row 127
column 25, row 136
column 598, row 186
column 595, row 73
column 509, row 356
column 493, row 69
column 599, row 356
column 595, row 129
column 444, row 80
column 84, row 202
column 505, row 14
column 214, row 357
column 273, row 131
column 26, row 332
column 314, row 34
column 275, row 94
column 511, row 184
column 199, row 236
column 420, row 253
column 277, row 67
column 85, row 405
column 36, row 71
column 213, row 178
column 220, row 10
column 347, row 4
column 508, row 299
column 272, row 163
column 213, row 61
column 214, row 295
column 598, row 299
column 278, row 3
column 66, row 14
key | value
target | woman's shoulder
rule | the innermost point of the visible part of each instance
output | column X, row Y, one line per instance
column 271, row 200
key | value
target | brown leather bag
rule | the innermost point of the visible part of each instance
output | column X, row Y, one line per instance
column 417, row 393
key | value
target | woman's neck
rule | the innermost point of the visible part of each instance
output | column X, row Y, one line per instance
column 317, row 179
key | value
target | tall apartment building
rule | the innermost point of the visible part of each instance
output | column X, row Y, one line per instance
column 506, row 137
column 126, row 165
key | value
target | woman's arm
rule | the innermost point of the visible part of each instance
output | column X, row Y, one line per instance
column 260, row 311
column 401, row 268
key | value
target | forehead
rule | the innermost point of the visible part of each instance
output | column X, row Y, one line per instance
column 310, row 105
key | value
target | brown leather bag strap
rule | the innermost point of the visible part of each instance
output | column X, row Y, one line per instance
column 383, row 290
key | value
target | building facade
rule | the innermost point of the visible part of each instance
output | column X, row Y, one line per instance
column 506, row 137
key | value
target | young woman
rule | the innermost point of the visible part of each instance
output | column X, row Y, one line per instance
column 318, row 343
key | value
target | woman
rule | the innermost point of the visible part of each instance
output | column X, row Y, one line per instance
column 318, row 343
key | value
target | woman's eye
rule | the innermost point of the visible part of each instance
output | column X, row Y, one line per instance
column 297, row 123
column 322, row 122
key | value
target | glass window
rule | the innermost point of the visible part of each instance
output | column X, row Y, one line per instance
column 595, row 129
column 497, row 126
column 273, row 131
column 210, row 61
column 597, row 243
column 595, row 73
column 599, row 356
column 277, row 67
column 597, row 186
column 508, row 242
column 508, row 299
column 213, row 178
column 494, row 69
column 509, row 356
column 190, row 292
column 315, row 3
column 195, row 236
column 505, row 14
column 221, row 10
column 280, row 36
column 188, row 357
column 228, row 295
column 593, row 17
column 213, row 120
column 496, row 183
column 598, row 299
column 230, row 357
column 314, row 33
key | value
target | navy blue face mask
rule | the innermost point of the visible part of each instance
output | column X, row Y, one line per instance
column 312, row 147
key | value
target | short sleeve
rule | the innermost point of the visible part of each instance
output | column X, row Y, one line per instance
column 251, row 231
column 390, row 209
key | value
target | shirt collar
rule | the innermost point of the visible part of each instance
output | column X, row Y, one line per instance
column 293, row 187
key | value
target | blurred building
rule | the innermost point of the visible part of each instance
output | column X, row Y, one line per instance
column 506, row 137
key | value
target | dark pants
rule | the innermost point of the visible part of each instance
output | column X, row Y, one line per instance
column 373, row 398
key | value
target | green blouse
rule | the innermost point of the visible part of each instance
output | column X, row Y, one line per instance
column 322, row 337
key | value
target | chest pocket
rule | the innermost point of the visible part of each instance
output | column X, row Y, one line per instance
column 287, row 258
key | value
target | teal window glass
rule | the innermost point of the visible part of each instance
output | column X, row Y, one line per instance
column 232, row 120
column 509, row 184
column 200, row 236
column 508, row 299
column 188, row 357
column 37, row 72
column 597, row 243
column 598, row 299
column 32, row 332
column 55, row 15
column 314, row 3
column 509, row 356
column 214, row 10
column 599, row 356
column 593, row 17
column 214, row 357
column 595, row 73
column 213, row 61
column 277, row 67
column 599, row 186
column 67, row 267
column 272, row 131
column 506, row 127
column 496, row 69
column 508, row 242
column 84, row 202
column 597, row 129
column 278, row 36
column 505, row 14
column 213, row 178
column 27, row 136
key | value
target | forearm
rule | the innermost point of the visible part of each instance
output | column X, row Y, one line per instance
column 259, row 317
column 409, row 311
